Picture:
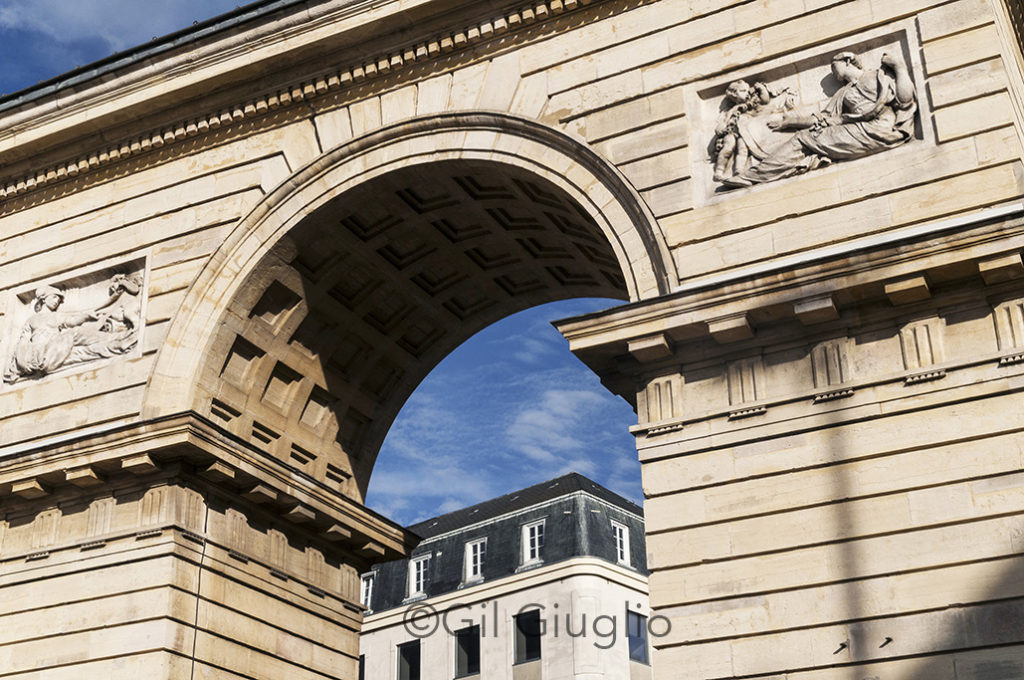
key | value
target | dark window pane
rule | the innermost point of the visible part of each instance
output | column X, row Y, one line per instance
column 528, row 629
column 636, row 625
column 467, row 651
column 409, row 661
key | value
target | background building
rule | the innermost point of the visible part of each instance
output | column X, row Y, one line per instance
column 547, row 582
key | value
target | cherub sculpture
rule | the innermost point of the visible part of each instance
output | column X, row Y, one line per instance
column 873, row 110
column 741, row 131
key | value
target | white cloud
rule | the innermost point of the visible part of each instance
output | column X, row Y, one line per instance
column 487, row 422
column 119, row 23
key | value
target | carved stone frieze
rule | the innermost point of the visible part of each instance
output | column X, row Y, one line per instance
column 337, row 79
column 824, row 105
column 76, row 321
column 760, row 138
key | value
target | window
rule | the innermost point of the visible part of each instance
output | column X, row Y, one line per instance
column 467, row 651
column 621, row 533
column 636, row 630
column 409, row 661
column 366, row 592
column 533, row 541
column 528, row 634
column 475, row 554
column 362, row 667
column 418, row 575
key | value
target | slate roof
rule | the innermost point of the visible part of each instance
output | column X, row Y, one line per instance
column 517, row 500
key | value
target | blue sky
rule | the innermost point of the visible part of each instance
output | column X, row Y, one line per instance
column 510, row 408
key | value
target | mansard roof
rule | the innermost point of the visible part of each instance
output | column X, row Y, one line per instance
column 519, row 500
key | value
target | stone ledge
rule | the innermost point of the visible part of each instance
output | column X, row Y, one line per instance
column 174, row 445
column 415, row 53
column 853, row 277
column 796, row 413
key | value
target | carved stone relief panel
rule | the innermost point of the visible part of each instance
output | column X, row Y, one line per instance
column 832, row 104
column 238, row 534
column 277, row 547
column 56, row 326
column 191, row 510
column 316, row 568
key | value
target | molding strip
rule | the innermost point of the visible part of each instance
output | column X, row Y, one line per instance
column 438, row 46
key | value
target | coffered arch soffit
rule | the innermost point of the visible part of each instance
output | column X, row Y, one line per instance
column 419, row 234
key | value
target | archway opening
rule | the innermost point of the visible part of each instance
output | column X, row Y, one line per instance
column 509, row 408
column 335, row 327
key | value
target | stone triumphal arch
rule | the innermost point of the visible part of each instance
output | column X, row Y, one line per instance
column 228, row 256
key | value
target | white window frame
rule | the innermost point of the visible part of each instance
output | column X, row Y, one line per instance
column 418, row 568
column 532, row 553
column 366, row 589
column 476, row 554
column 621, row 533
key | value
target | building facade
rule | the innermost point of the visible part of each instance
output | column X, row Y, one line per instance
column 228, row 256
column 547, row 582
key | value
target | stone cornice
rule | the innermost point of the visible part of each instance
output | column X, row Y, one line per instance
column 157, row 446
column 709, row 307
column 333, row 80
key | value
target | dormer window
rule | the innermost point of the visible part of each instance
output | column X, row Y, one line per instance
column 366, row 591
column 476, row 553
column 533, row 541
column 621, row 533
column 418, row 575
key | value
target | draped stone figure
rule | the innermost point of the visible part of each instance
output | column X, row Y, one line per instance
column 53, row 338
column 873, row 111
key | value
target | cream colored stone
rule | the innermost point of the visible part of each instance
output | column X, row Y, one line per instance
column 658, row 170
column 986, row 113
column 953, row 18
column 637, row 114
column 1002, row 268
column 907, row 290
column 816, row 310
column 398, row 104
column 650, row 348
column 669, row 199
column 333, row 127
column 971, row 46
column 647, row 141
column 968, row 82
column 365, row 116
column 917, row 482
column 500, row 84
